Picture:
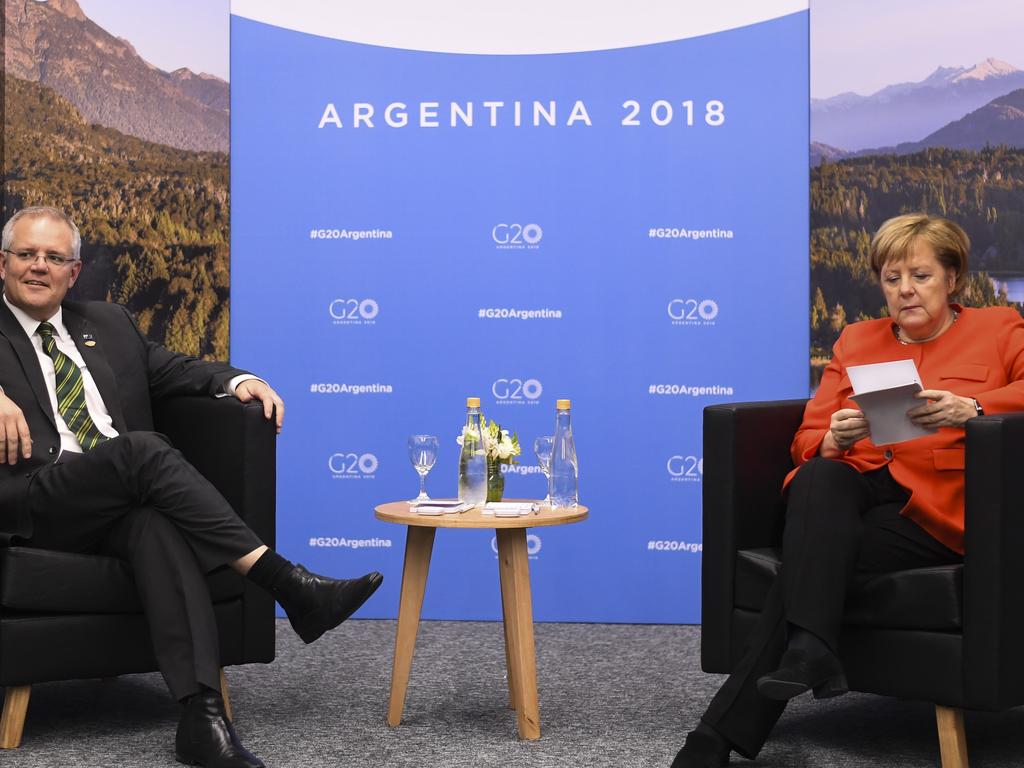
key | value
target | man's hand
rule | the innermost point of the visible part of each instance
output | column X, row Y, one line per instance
column 944, row 409
column 14, row 432
column 260, row 390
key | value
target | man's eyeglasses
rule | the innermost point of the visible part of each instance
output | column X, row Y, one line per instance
column 53, row 259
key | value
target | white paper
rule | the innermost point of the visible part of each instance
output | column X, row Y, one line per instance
column 442, row 508
column 871, row 378
column 885, row 392
column 509, row 508
column 436, row 503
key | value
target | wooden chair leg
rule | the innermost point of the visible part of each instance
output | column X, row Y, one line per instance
column 224, row 695
column 12, row 722
column 952, row 739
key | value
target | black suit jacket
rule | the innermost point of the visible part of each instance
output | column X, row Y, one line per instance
column 130, row 372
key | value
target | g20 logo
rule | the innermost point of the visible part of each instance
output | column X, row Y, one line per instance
column 517, row 235
column 516, row 390
column 352, row 465
column 685, row 468
column 533, row 544
column 692, row 310
column 353, row 309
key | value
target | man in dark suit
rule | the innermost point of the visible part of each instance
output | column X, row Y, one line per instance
column 81, row 470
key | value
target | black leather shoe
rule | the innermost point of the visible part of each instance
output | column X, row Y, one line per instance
column 796, row 674
column 703, row 749
column 315, row 604
column 206, row 737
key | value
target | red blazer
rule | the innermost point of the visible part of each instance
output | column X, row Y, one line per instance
column 980, row 356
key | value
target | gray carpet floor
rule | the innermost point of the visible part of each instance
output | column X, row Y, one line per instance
column 610, row 695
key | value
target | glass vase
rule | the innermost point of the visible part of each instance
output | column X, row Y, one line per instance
column 495, row 481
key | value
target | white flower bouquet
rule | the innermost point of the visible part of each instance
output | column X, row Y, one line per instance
column 500, row 446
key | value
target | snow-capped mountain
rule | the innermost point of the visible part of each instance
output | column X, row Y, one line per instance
column 908, row 112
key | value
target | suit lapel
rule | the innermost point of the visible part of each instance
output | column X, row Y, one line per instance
column 11, row 328
column 91, row 349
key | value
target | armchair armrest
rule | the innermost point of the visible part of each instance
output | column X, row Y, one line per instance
column 232, row 446
column 746, row 458
column 993, row 576
column 235, row 448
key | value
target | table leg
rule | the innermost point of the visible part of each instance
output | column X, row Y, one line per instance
column 419, row 543
column 514, row 561
column 508, row 623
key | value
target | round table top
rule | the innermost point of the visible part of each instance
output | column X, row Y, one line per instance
column 401, row 512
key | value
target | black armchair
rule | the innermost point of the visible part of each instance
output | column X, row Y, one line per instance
column 947, row 635
column 68, row 616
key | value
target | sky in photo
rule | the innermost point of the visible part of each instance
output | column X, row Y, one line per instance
column 169, row 35
column 864, row 46
column 860, row 47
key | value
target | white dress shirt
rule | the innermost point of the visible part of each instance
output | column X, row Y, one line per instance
column 94, row 402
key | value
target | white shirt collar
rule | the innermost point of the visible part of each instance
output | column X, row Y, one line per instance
column 30, row 324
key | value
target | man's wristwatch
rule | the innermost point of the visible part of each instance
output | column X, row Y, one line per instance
column 977, row 406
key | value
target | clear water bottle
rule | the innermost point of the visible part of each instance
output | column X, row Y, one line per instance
column 473, row 459
column 562, row 483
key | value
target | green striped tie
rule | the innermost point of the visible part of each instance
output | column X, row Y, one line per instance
column 70, row 393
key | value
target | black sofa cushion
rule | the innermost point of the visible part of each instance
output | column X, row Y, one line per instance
column 920, row 598
column 43, row 580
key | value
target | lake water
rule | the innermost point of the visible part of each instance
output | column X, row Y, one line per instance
column 1012, row 283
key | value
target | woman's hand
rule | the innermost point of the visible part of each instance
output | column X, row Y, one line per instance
column 846, row 427
column 944, row 409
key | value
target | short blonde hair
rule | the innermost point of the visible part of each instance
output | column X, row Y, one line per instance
column 895, row 239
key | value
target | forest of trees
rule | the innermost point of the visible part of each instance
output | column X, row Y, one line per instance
column 154, row 219
column 982, row 191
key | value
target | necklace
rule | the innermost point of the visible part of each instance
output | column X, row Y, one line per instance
column 897, row 332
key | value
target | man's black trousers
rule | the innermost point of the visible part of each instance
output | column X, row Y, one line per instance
column 840, row 525
column 137, row 498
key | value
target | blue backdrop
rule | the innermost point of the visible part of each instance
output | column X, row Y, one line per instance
column 645, row 258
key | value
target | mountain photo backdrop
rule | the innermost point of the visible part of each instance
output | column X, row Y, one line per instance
column 139, row 158
column 951, row 145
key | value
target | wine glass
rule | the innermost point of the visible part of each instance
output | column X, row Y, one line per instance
column 542, row 447
column 423, row 455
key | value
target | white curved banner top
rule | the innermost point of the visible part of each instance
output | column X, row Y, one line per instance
column 528, row 27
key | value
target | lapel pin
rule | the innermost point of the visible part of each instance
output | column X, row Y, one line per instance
column 87, row 338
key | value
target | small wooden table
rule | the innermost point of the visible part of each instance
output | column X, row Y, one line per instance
column 517, row 604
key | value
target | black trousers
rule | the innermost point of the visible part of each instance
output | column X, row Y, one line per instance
column 840, row 525
column 137, row 498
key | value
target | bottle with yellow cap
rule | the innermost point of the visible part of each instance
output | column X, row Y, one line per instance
column 563, row 480
column 473, row 458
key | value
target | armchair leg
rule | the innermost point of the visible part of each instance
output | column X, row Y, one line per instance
column 224, row 695
column 952, row 739
column 12, row 722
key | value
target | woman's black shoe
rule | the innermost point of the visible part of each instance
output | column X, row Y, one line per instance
column 704, row 748
column 796, row 674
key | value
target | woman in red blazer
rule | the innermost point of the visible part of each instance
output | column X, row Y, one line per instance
column 854, row 507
